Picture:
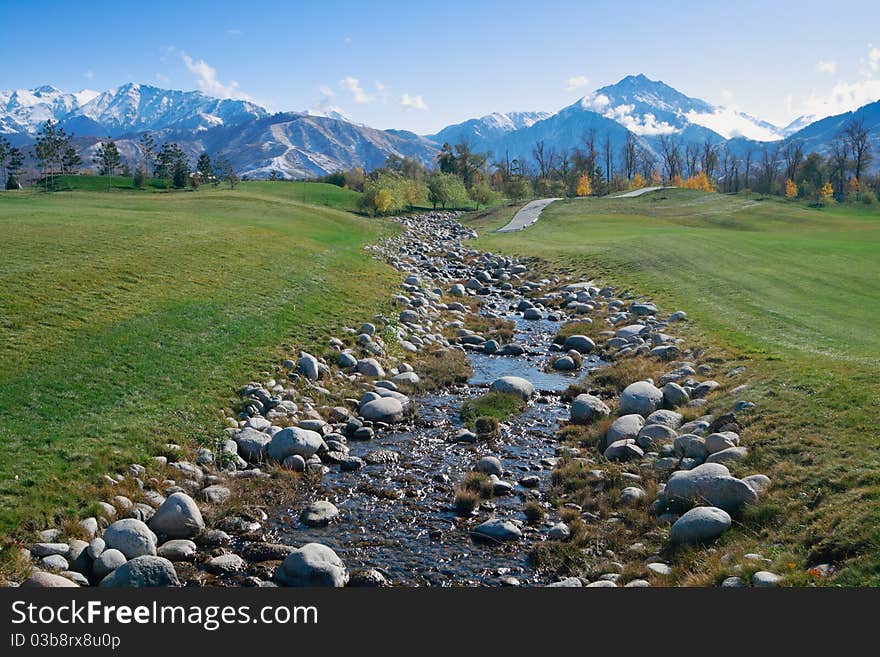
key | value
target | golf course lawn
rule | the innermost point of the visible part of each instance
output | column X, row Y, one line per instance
column 127, row 319
column 791, row 292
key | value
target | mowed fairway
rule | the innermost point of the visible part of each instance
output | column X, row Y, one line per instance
column 128, row 318
column 790, row 291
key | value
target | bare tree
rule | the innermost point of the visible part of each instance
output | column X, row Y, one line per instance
column 793, row 155
column 691, row 154
column 769, row 166
column 630, row 155
column 709, row 159
column 540, row 158
column 859, row 146
column 670, row 150
column 646, row 163
column 838, row 163
column 748, row 168
column 609, row 158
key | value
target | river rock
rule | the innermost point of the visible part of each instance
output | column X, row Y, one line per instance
column 497, row 529
column 731, row 455
column 710, row 483
column 623, row 450
column 312, row 565
column 641, row 398
column 513, row 385
column 294, row 441
column 370, row 367
column 319, row 514
column 588, row 408
column 704, row 523
column 764, row 578
column 308, row 366
column 715, row 442
column 490, row 465
column 626, row 426
column 674, row 395
column 384, row 409
column 178, row 549
column 107, row 562
column 178, row 517
column 252, row 444
column 43, row 580
column 141, row 572
column 131, row 537
column 665, row 417
column 580, row 343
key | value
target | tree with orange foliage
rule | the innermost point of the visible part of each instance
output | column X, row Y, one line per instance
column 791, row 189
column 699, row 181
column 583, row 186
column 655, row 178
column 676, row 181
column 638, row 181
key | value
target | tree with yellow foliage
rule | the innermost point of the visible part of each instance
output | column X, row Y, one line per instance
column 699, row 181
column 826, row 194
column 638, row 181
column 676, row 181
column 383, row 201
column 791, row 189
column 583, row 186
column 655, row 178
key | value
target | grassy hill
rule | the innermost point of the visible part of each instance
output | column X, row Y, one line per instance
column 127, row 319
column 789, row 291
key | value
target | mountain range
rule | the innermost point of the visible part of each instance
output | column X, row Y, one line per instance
column 305, row 144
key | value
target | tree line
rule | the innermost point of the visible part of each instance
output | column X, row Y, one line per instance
column 597, row 166
column 56, row 155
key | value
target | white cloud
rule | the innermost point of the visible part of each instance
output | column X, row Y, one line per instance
column 647, row 124
column 729, row 123
column 206, row 77
column 88, row 75
column 326, row 91
column 844, row 97
column 413, row 102
column 358, row 95
column 874, row 59
column 576, row 82
column 829, row 66
column 233, row 32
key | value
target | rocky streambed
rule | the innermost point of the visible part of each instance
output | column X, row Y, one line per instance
column 388, row 472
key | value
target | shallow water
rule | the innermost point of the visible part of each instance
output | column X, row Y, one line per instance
column 399, row 518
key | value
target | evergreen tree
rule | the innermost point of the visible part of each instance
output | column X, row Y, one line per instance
column 107, row 159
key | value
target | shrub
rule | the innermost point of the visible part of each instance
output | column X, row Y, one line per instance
column 533, row 512
column 466, row 501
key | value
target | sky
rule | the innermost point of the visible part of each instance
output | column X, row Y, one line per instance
column 423, row 65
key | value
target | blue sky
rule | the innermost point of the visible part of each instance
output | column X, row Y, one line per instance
column 423, row 65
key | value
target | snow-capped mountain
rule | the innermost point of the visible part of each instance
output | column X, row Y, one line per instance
column 126, row 109
column 481, row 131
column 651, row 108
column 141, row 107
column 23, row 110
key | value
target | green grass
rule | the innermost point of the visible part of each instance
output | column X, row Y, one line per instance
column 788, row 290
column 302, row 192
column 500, row 405
column 128, row 319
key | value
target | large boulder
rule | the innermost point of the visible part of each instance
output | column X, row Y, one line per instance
column 252, row 444
column 588, row 408
column 308, row 366
column 384, row 409
column 710, row 483
column 312, row 565
column 513, row 385
column 131, row 537
column 701, row 524
column 674, row 395
column 178, row 517
column 107, row 562
column 667, row 418
column 580, row 343
column 640, row 397
column 370, row 367
column 142, row 572
column 623, row 450
column 626, row 426
column 294, row 441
